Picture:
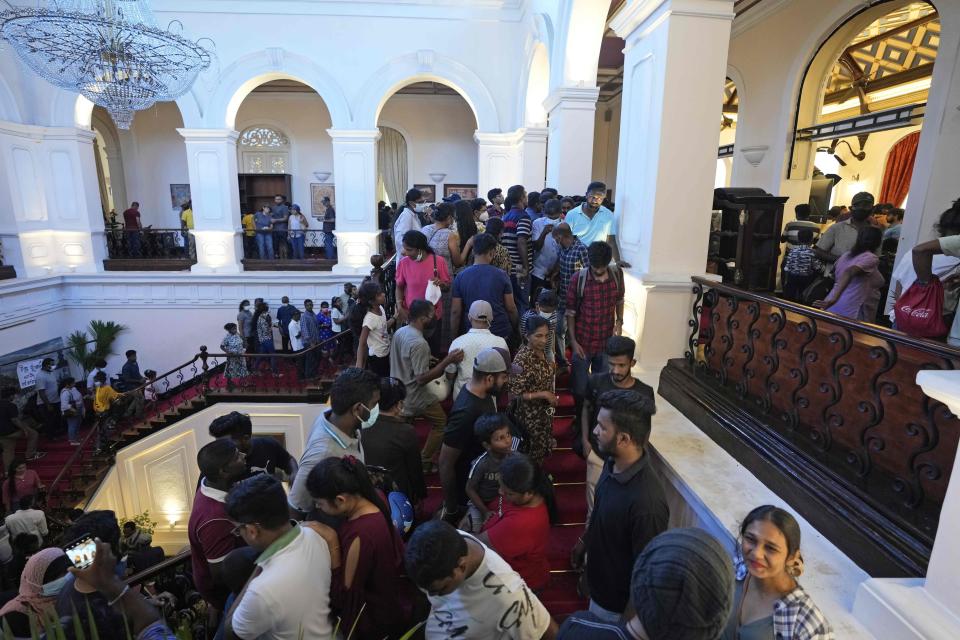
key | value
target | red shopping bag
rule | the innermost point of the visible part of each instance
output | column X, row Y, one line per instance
column 919, row 311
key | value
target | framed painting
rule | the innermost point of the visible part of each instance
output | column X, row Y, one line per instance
column 465, row 191
column 429, row 191
column 179, row 195
column 319, row 190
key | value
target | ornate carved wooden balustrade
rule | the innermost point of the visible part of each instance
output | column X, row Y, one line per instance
column 827, row 412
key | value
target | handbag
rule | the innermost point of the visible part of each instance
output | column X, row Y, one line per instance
column 919, row 311
column 439, row 389
column 433, row 293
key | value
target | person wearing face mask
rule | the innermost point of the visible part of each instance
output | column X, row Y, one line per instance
column 841, row 237
column 411, row 363
column 354, row 405
column 42, row 580
column 392, row 442
column 367, row 588
column 245, row 327
column 408, row 219
column 419, row 267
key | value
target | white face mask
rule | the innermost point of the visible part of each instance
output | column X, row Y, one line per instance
column 484, row 216
column 545, row 315
column 420, row 208
column 51, row 589
column 372, row 418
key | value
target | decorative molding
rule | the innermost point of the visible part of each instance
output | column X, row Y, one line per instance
column 572, row 98
column 754, row 155
column 354, row 135
column 943, row 386
column 635, row 14
column 276, row 56
column 757, row 14
column 425, row 60
column 209, row 135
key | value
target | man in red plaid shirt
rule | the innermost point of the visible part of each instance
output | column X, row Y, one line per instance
column 594, row 312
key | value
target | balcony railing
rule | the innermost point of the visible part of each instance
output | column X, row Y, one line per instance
column 149, row 249
column 315, row 250
column 839, row 395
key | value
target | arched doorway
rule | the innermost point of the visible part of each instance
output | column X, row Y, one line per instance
column 283, row 149
column 392, row 165
column 879, row 62
column 436, row 126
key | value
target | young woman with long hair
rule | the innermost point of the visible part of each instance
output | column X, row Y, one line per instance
column 857, row 291
column 767, row 572
column 366, row 584
column 520, row 530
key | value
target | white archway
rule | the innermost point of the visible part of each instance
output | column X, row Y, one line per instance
column 251, row 71
column 9, row 111
column 576, row 49
column 425, row 66
column 534, row 112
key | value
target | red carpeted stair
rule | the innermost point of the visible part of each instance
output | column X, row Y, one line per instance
column 569, row 473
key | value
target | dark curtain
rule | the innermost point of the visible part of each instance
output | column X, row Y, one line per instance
column 899, row 170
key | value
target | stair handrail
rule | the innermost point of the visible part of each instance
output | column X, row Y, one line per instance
column 93, row 432
column 36, row 356
column 168, row 563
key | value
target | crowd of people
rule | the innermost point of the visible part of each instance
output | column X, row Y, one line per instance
column 847, row 267
column 279, row 231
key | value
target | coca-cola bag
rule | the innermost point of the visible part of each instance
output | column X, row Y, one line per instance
column 919, row 311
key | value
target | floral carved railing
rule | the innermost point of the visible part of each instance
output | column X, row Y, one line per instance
column 842, row 392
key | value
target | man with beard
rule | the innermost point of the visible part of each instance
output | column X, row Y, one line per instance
column 410, row 363
column 210, row 530
column 460, row 446
column 620, row 352
column 629, row 508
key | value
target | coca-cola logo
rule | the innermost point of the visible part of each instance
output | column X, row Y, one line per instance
column 921, row 313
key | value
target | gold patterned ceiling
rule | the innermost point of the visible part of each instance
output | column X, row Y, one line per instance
column 886, row 65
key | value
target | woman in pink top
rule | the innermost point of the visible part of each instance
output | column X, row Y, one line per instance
column 857, row 291
column 419, row 266
column 19, row 482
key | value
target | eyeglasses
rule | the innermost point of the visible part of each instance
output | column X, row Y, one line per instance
column 239, row 525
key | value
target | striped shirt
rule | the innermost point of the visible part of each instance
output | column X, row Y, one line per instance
column 517, row 224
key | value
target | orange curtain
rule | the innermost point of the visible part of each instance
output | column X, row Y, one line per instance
column 899, row 170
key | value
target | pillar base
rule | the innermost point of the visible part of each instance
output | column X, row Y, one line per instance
column 354, row 250
column 903, row 609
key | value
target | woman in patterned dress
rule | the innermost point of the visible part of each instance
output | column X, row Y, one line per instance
column 232, row 344
column 532, row 385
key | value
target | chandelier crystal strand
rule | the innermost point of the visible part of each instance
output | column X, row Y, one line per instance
column 110, row 51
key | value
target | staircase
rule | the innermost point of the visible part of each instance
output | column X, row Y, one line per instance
column 569, row 475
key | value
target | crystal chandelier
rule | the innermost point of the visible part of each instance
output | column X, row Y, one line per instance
column 110, row 51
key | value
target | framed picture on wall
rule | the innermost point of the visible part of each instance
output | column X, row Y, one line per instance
column 179, row 195
column 319, row 190
column 429, row 191
column 465, row 191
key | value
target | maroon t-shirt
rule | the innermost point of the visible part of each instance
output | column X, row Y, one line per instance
column 520, row 537
column 211, row 538
column 131, row 219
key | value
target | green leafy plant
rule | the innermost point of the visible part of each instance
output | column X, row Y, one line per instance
column 143, row 521
column 84, row 353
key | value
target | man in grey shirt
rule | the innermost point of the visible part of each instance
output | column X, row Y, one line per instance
column 354, row 400
column 48, row 396
column 841, row 236
column 410, row 364
column 280, row 213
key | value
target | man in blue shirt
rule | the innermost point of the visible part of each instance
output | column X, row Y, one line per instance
column 264, row 225
column 483, row 281
column 592, row 222
column 284, row 315
column 280, row 213
column 309, row 336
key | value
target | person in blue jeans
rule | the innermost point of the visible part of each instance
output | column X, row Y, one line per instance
column 297, row 223
column 329, row 225
column 263, row 223
column 71, row 407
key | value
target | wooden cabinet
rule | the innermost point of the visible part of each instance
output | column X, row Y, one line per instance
column 258, row 189
column 745, row 237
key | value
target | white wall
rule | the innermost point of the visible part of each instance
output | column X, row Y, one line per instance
column 439, row 133
column 159, row 473
column 304, row 118
column 606, row 143
column 154, row 157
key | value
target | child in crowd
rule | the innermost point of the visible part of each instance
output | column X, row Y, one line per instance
column 547, row 309
column 338, row 321
column 325, row 322
column 483, row 483
column 801, row 266
column 150, row 391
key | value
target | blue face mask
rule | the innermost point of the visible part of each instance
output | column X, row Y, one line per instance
column 374, row 414
column 51, row 589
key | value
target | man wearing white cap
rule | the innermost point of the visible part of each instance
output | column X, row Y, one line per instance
column 478, row 338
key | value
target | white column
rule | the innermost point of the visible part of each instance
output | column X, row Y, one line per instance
column 54, row 200
column 918, row 608
column 215, row 194
column 533, row 158
column 355, row 173
column 571, row 120
column 498, row 161
column 675, row 63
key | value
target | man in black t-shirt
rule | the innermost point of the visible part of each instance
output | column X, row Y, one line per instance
column 13, row 427
column 620, row 352
column 263, row 454
column 460, row 445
